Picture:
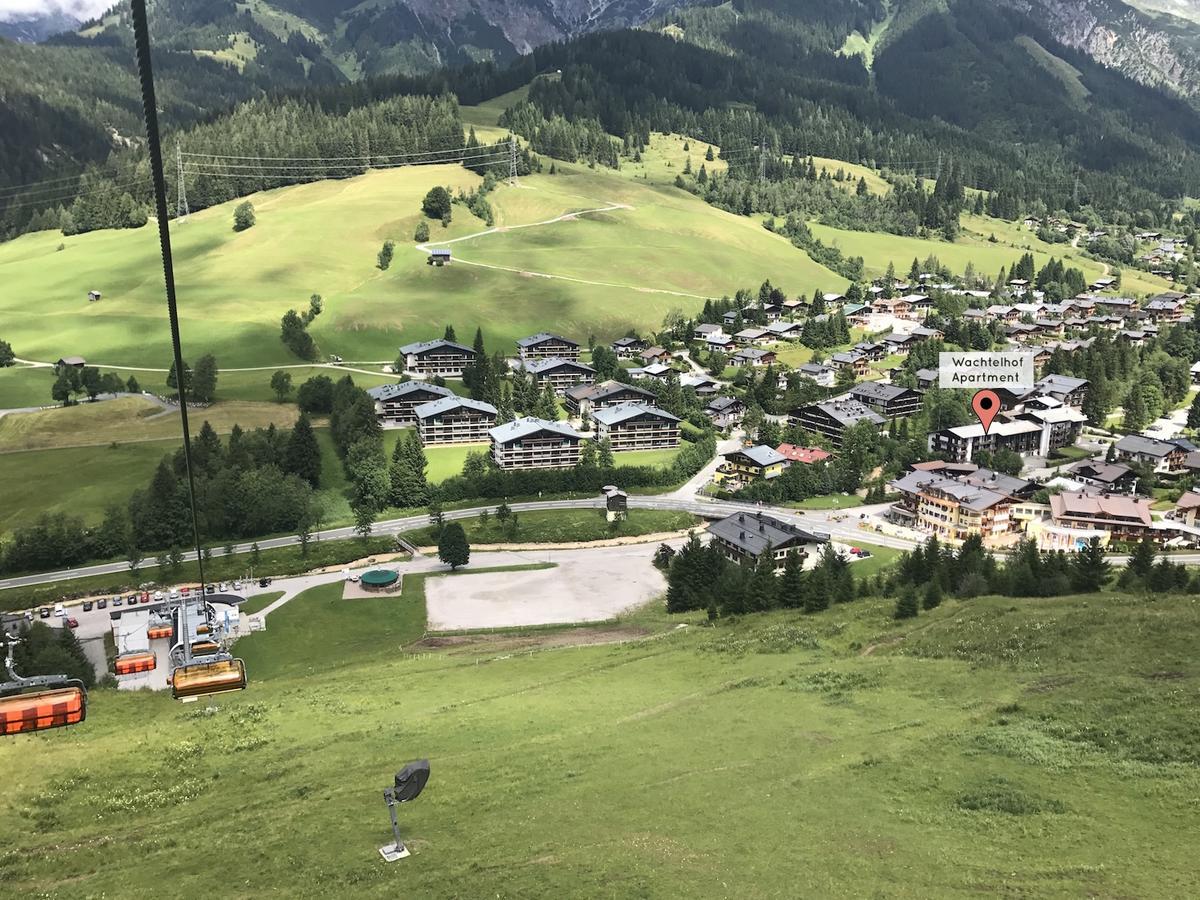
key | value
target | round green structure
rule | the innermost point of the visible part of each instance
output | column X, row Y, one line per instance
column 379, row 579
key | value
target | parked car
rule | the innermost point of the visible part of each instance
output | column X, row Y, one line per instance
column 863, row 554
column 117, row 601
column 145, row 598
column 224, row 587
column 59, row 611
column 158, row 595
column 72, row 622
column 210, row 589
column 174, row 595
column 44, row 612
column 102, row 603
column 87, row 605
column 28, row 615
column 263, row 582
column 237, row 586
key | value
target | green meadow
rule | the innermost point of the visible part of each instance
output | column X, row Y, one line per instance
column 989, row 748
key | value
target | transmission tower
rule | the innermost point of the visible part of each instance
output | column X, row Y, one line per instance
column 181, row 204
column 512, row 159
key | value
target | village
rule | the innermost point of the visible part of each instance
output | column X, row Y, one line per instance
column 1066, row 478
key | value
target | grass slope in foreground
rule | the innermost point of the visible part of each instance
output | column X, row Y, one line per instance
column 1041, row 748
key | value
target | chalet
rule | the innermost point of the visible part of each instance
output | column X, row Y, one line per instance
column 440, row 357
column 729, row 319
column 833, row 299
column 546, row 346
column 975, row 315
column 1165, row 309
column 725, row 412
column 628, row 347
column 920, row 305
column 753, row 356
column 950, row 508
column 1195, row 370
column 1124, row 518
column 454, row 420
column 926, row 379
column 856, row 312
column 824, row 376
column 1112, row 478
column 1167, row 457
column 803, row 455
column 1186, row 508
column 872, row 350
column 720, row 342
column 560, row 374
column 963, row 442
column 439, row 256
column 587, row 398
column 1102, row 284
column 771, row 312
column 703, row 385
column 791, row 307
column 703, row 330
column 855, row 362
column 1010, row 315
column 751, row 336
column 900, row 307
column 395, row 403
column 1133, row 338
column 634, row 426
column 93, row 296
column 831, row 418
column 1020, row 332
column 1071, row 391
column 750, row 464
column 889, row 400
column 530, row 443
column 655, row 355
column 785, row 331
column 69, row 362
column 1116, row 306
column 745, row 537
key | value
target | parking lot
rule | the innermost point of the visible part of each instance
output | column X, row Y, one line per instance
column 584, row 586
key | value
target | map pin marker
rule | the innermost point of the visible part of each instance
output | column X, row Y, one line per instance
column 986, row 404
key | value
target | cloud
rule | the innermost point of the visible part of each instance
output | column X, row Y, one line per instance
column 17, row 10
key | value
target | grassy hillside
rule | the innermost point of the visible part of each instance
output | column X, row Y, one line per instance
column 323, row 238
column 990, row 747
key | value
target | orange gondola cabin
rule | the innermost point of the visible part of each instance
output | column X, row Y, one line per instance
column 137, row 661
column 202, row 679
column 24, row 711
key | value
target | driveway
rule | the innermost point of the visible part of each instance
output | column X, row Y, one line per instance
column 585, row 586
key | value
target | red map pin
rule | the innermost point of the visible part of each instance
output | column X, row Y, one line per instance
column 986, row 404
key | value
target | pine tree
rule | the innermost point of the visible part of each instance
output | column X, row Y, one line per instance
column 302, row 455
column 1089, row 569
column 906, row 603
column 762, row 589
column 933, row 595
column 453, row 548
column 1141, row 561
column 547, row 405
column 1193, row 416
column 604, row 457
column 791, row 582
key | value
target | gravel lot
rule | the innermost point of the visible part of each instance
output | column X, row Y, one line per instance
column 585, row 586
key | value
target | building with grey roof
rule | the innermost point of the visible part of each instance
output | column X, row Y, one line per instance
column 560, row 374
column 394, row 403
column 454, row 420
column 440, row 357
column 547, row 346
column 532, row 443
column 889, row 400
column 832, row 417
column 745, row 537
column 637, row 426
column 590, row 397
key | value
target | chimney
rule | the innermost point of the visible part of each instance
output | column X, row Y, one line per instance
column 741, row 535
column 762, row 529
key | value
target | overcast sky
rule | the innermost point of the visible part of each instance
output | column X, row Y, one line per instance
column 24, row 9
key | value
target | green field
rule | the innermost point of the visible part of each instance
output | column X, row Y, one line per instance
column 994, row 747
column 234, row 287
column 558, row 526
column 22, row 386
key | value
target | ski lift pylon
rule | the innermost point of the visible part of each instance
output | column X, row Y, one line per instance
column 41, row 702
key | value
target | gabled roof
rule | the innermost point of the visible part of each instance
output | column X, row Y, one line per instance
column 1104, row 472
column 397, row 391
column 803, row 454
column 753, row 353
column 1061, row 383
column 623, row 412
column 720, row 404
column 1144, row 446
column 968, row 495
column 1100, row 507
column 762, row 455
column 437, row 407
column 605, row 389
column 539, row 366
column 421, row 347
column 754, row 532
column 527, row 425
column 541, row 338
column 875, row 390
column 847, row 412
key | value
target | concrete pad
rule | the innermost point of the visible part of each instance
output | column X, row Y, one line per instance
column 584, row 586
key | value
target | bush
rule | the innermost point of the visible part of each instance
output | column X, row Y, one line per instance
column 243, row 216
